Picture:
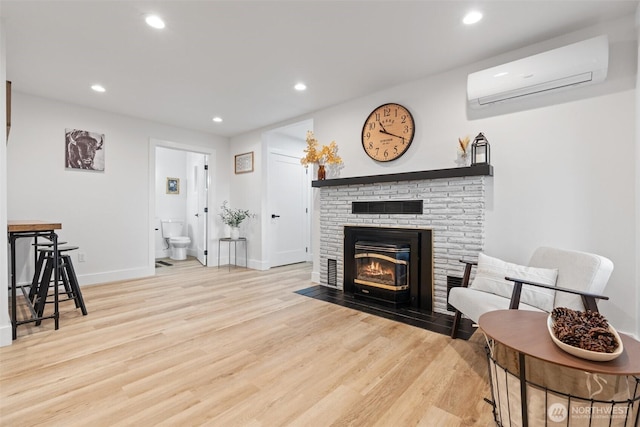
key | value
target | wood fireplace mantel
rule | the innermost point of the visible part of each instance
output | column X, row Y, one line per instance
column 475, row 170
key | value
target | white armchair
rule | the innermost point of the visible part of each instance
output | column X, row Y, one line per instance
column 553, row 278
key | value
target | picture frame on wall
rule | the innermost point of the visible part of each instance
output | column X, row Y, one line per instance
column 173, row 185
column 243, row 163
column 84, row 150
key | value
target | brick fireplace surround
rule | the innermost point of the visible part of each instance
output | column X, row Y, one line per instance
column 453, row 207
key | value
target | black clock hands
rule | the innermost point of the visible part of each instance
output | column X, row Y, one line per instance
column 383, row 130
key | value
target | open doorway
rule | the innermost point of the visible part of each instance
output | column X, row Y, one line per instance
column 180, row 198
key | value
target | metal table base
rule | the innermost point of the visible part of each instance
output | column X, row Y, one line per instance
column 229, row 241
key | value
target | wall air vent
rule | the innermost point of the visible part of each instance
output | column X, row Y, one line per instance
column 388, row 207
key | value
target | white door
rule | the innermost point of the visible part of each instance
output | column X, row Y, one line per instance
column 289, row 213
column 202, row 177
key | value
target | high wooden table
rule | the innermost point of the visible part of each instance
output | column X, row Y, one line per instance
column 526, row 332
column 17, row 229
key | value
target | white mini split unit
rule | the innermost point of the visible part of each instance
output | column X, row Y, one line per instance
column 577, row 64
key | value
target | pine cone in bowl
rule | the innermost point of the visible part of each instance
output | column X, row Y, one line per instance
column 587, row 330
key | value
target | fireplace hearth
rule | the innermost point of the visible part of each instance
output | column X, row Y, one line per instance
column 389, row 265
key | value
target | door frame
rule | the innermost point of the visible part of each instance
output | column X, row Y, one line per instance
column 267, row 215
column 211, row 153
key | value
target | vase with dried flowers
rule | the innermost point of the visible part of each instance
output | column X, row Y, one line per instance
column 464, row 156
column 325, row 155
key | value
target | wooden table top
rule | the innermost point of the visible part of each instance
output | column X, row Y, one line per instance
column 526, row 332
column 14, row 226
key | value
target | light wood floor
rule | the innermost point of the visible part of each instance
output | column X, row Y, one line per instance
column 204, row 346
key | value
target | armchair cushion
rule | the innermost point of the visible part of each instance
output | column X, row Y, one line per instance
column 580, row 271
column 473, row 303
column 490, row 277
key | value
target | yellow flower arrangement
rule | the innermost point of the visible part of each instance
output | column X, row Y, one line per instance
column 327, row 154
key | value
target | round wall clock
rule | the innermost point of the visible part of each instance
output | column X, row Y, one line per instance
column 387, row 133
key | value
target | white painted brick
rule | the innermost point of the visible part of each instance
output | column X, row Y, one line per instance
column 454, row 209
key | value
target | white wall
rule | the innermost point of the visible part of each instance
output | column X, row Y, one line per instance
column 637, row 182
column 564, row 173
column 5, row 322
column 105, row 213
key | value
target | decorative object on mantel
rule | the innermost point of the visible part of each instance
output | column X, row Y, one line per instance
column 464, row 157
column 480, row 150
column 233, row 218
column 327, row 155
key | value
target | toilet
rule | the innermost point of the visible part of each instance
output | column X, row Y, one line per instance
column 172, row 232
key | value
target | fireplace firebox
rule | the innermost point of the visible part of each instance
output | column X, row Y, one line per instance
column 382, row 269
column 390, row 265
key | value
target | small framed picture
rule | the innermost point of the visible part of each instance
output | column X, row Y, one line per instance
column 173, row 185
column 244, row 163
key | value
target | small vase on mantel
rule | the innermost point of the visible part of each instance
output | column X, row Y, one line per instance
column 463, row 160
column 322, row 173
column 235, row 233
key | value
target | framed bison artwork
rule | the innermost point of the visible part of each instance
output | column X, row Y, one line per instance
column 84, row 150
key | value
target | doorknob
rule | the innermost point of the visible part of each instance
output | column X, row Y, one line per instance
column 275, row 216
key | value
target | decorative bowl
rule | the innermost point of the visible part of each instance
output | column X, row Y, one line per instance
column 595, row 356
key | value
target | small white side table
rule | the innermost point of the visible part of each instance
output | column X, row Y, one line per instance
column 229, row 241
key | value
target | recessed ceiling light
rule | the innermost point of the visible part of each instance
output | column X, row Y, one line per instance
column 300, row 86
column 217, row 119
column 154, row 21
column 98, row 88
column 472, row 17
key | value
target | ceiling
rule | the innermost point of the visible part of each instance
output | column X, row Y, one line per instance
column 240, row 59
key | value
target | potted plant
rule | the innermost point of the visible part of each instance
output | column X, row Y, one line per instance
column 233, row 218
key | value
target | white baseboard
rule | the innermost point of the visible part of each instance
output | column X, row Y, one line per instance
column 115, row 276
column 6, row 335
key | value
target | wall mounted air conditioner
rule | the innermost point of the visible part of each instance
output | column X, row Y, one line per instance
column 581, row 63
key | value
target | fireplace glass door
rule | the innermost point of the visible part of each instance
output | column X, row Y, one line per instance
column 382, row 265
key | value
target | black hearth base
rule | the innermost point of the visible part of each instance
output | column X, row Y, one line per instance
column 383, row 296
column 435, row 322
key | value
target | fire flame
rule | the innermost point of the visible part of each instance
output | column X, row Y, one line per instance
column 376, row 269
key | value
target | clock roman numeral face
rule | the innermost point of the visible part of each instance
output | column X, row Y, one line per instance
column 387, row 132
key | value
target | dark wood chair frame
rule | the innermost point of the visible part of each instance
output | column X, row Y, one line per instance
column 588, row 300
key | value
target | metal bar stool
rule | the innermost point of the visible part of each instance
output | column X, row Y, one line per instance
column 40, row 257
column 67, row 276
